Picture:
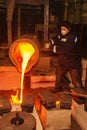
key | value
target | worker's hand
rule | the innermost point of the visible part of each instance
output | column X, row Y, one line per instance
column 47, row 45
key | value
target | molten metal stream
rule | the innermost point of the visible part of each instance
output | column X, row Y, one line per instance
column 26, row 51
column 24, row 54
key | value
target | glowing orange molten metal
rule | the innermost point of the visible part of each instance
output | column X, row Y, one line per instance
column 17, row 50
column 15, row 99
column 26, row 52
column 57, row 104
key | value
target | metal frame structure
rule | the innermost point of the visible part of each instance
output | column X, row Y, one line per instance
column 10, row 4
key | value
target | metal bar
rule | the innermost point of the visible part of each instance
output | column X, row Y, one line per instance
column 46, row 20
column 76, row 94
column 10, row 9
column 19, row 21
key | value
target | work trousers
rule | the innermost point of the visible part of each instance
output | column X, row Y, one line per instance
column 75, row 75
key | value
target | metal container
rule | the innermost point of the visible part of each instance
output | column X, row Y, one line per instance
column 15, row 55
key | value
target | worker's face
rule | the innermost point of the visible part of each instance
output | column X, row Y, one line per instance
column 64, row 30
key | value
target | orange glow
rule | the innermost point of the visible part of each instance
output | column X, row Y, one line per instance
column 26, row 50
column 14, row 98
column 41, row 111
column 57, row 102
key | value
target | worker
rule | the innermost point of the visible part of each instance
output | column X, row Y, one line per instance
column 65, row 45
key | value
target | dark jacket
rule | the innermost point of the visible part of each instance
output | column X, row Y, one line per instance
column 67, row 50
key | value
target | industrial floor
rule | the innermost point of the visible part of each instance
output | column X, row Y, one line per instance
column 56, row 118
column 47, row 116
column 53, row 118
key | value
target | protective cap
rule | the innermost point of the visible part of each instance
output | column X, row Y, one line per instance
column 66, row 24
